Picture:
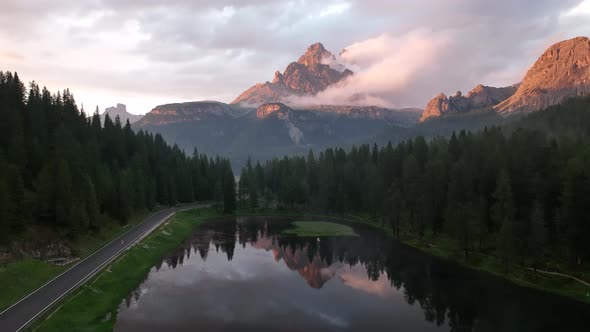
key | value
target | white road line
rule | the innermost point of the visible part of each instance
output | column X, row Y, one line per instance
column 75, row 265
column 98, row 268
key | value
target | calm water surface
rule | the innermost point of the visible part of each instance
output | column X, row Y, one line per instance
column 243, row 275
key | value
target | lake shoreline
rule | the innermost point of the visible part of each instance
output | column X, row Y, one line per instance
column 101, row 297
column 523, row 276
column 442, row 247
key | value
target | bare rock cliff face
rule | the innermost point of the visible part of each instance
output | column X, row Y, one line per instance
column 480, row 98
column 306, row 77
column 184, row 112
column 267, row 109
column 436, row 107
column 563, row 71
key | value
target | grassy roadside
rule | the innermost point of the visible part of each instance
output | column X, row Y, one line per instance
column 21, row 277
column 87, row 308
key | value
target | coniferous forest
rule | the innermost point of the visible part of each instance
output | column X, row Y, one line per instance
column 63, row 169
column 519, row 192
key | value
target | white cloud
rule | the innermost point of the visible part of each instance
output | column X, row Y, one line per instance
column 142, row 53
column 335, row 9
column 383, row 66
column 583, row 9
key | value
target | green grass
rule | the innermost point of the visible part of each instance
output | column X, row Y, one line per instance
column 319, row 228
column 22, row 277
column 19, row 278
column 87, row 308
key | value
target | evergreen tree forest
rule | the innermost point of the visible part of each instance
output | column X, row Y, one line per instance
column 66, row 170
column 519, row 192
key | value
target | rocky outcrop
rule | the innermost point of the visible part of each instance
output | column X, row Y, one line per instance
column 436, row 107
column 267, row 109
column 480, row 98
column 185, row 112
column 402, row 117
column 263, row 93
column 562, row 71
column 283, row 113
column 306, row 77
column 121, row 111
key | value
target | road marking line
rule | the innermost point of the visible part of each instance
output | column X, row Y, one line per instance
column 79, row 262
column 88, row 276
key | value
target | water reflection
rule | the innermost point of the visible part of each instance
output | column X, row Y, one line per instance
column 243, row 275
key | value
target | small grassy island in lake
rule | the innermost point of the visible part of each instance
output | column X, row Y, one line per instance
column 319, row 228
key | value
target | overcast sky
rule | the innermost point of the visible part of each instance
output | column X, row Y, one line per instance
column 145, row 53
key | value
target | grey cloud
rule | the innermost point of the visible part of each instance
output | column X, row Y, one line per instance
column 191, row 51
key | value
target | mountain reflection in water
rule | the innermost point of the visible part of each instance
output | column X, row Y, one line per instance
column 242, row 274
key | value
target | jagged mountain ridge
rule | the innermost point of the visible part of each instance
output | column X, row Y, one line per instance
column 561, row 72
column 306, row 77
column 480, row 98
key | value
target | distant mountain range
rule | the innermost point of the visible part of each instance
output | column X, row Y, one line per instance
column 259, row 123
column 121, row 111
column 270, row 130
column 563, row 71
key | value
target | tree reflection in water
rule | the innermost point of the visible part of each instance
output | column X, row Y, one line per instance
column 449, row 295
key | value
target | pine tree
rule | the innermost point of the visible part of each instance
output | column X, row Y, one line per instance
column 537, row 235
column 506, row 246
column 461, row 215
column 576, row 210
column 229, row 191
column 91, row 203
column 393, row 208
column 6, row 212
column 63, row 194
column 218, row 196
column 46, row 190
column 503, row 206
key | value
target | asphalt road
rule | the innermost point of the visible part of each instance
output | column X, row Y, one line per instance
column 31, row 307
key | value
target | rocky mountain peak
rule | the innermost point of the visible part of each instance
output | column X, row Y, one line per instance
column 278, row 78
column 562, row 71
column 478, row 89
column 306, row 77
column 315, row 54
